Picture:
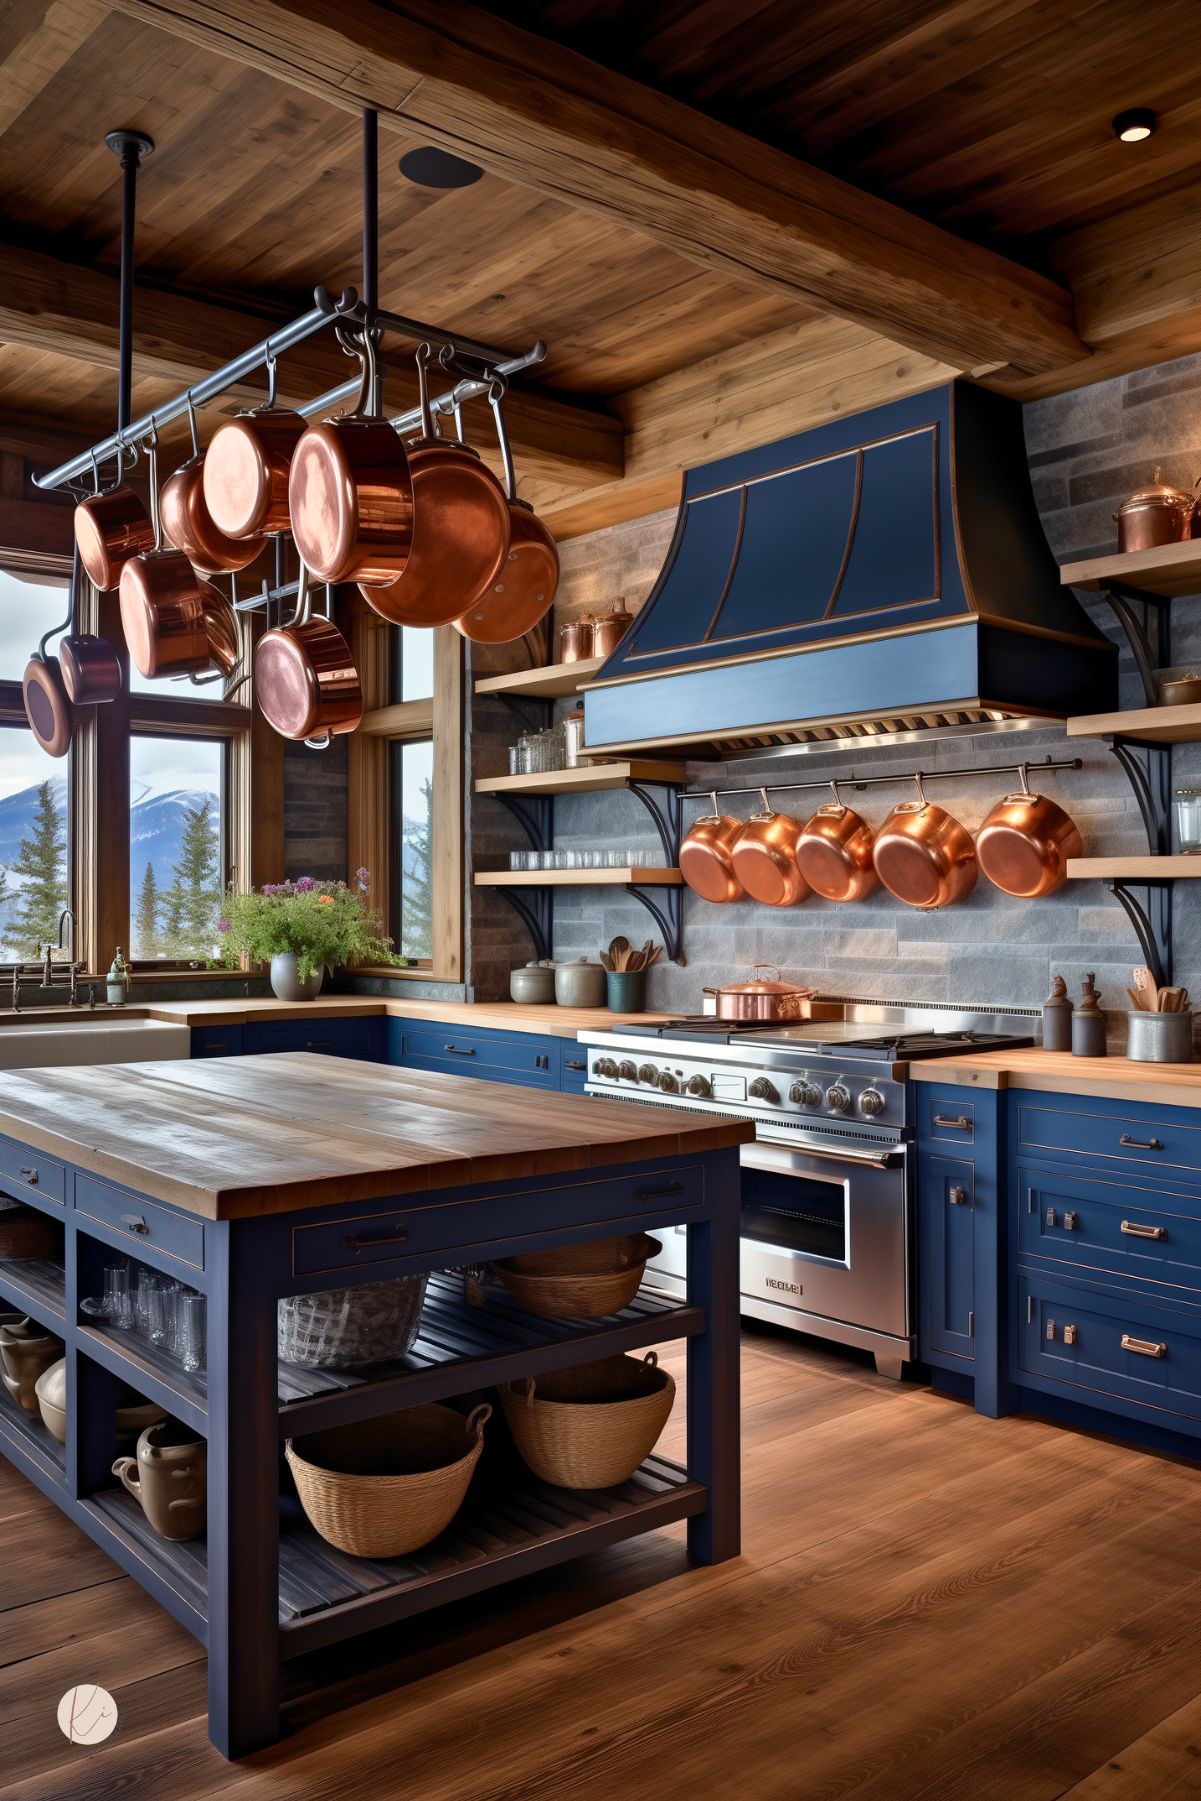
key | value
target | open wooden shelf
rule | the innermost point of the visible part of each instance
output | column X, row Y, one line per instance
column 589, row 778
column 552, row 681
column 578, row 878
column 1134, row 869
column 37, row 1284
column 1149, row 725
column 1169, row 569
column 149, row 1369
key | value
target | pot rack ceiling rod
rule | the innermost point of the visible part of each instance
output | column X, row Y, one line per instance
column 1048, row 766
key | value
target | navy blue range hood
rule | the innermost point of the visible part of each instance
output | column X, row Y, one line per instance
column 884, row 573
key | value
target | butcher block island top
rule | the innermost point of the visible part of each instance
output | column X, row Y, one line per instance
column 233, row 1137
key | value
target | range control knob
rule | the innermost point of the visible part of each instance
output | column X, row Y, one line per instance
column 805, row 1093
column 838, row 1098
column 605, row 1066
column 763, row 1090
column 668, row 1083
column 700, row 1085
column 647, row 1072
column 871, row 1102
column 627, row 1071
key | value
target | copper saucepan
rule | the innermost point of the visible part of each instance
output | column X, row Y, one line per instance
column 162, row 606
column 46, row 705
column 91, row 670
column 245, row 475
column 764, row 858
column 706, row 860
column 759, row 999
column 1024, row 845
column 524, row 591
column 188, row 524
column 834, row 852
column 350, row 491
column 110, row 527
column 923, row 856
column 304, row 675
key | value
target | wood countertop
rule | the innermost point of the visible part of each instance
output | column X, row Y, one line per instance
column 492, row 1016
column 1058, row 1072
column 233, row 1137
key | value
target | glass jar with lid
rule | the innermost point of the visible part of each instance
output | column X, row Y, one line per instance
column 1188, row 821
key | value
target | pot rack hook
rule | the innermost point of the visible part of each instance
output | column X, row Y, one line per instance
column 1024, row 776
column 713, row 803
column 766, row 804
column 322, row 741
column 272, row 376
column 838, row 800
column 498, row 387
column 424, row 353
column 921, row 791
column 192, row 422
column 56, row 630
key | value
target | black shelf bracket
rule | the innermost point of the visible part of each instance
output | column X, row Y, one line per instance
column 1146, row 620
column 535, row 908
column 665, row 807
column 666, row 908
column 1148, row 906
column 1148, row 769
column 535, row 814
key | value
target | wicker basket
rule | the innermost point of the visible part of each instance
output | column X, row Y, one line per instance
column 590, row 1427
column 25, row 1233
column 345, row 1328
column 387, row 1486
column 597, row 1256
column 587, row 1295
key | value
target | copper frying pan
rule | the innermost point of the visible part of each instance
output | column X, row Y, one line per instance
column 91, row 670
column 46, row 705
column 162, row 607
column 923, row 856
column 110, row 527
column 834, row 852
column 304, row 675
column 764, row 858
column 706, row 859
column 1024, row 844
column 188, row 524
column 525, row 588
column 245, row 473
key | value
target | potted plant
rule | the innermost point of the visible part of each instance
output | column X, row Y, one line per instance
column 299, row 927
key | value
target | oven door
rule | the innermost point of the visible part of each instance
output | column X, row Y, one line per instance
column 825, row 1230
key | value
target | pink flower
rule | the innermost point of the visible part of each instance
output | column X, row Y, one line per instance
column 223, row 925
column 305, row 885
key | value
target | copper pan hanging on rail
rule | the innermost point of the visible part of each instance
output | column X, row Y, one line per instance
column 834, row 852
column 524, row 590
column 47, row 707
column 305, row 678
column 91, row 669
column 162, row 606
column 188, row 524
column 1024, row 845
column 245, row 475
column 706, row 857
column 764, row 858
column 923, row 856
column 111, row 526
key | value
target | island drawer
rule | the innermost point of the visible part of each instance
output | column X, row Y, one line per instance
column 29, row 1173
column 941, row 1119
column 470, row 1052
column 1162, row 1143
column 1125, row 1227
column 370, row 1239
column 143, row 1223
column 1127, row 1347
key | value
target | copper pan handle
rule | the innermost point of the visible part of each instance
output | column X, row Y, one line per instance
column 498, row 387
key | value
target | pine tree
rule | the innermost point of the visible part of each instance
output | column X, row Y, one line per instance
column 146, row 935
column 417, row 894
column 5, row 898
column 41, row 859
column 194, row 895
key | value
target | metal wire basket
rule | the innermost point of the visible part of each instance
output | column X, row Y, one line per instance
column 345, row 1328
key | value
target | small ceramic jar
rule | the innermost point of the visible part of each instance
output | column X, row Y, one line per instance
column 533, row 985
column 580, row 984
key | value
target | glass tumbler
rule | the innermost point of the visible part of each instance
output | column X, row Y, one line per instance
column 118, row 1298
column 161, row 1303
column 191, row 1330
column 1188, row 820
column 143, row 1300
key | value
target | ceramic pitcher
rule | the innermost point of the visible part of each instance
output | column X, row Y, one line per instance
column 26, row 1349
column 167, row 1477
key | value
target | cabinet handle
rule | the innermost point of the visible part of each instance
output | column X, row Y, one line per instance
column 574, row 1063
column 1132, row 1229
column 1145, row 1347
column 135, row 1223
column 957, row 1195
column 659, row 1194
column 956, row 1125
column 458, row 1050
column 210, row 1050
column 29, row 1174
column 1140, row 1144
column 353, row 1242
column 317, row 1044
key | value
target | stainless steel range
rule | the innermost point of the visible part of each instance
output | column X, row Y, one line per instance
column 827, row 1186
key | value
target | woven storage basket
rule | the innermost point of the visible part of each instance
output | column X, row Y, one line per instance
column 590, row 1427
column 599, row 1255
column 588, row 1295
column 24, row 1232
column 344, row 1328
column 387, row 1486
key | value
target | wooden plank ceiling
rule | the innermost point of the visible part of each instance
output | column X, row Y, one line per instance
column 989, row 121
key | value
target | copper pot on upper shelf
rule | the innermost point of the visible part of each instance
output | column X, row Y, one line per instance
column 609, row 630
column 1154, row 515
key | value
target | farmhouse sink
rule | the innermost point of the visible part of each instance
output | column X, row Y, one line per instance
column 89, row 1038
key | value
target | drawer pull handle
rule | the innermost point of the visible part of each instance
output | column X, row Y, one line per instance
column 210, row 1050
column 458, row 1050
column 317, row 1044
column 29, row 1174
column 353, row 1242
column 1145, row 1347
column 1132, row 1229
column 960, row 1124
column 659, row 1194
column 135, row 1222
column 957, row 1195
column 1140, row 1144
column 574, row 1063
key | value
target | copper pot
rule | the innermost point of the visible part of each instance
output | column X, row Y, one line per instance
column 91, row 670
column 188, row 524
column 834, row 852
column 304, row 675
column 350, row 492
column 706, row 860
column 610, row 629
column 923, row 856
column 525, row 588
column 111, row 527
column 162, row 607
column 764, row 858
column 245, row 475
column 1024, row 845
column 1156, row 514
column 576, row 638
column 758, row 999
column 47, row 707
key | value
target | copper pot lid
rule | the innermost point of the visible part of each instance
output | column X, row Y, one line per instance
column 757, row 985
column 1155, row 494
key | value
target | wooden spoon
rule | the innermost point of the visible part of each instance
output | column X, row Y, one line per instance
column 619, row 950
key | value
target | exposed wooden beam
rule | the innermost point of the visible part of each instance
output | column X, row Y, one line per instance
column 63, row 307
column 546, row 118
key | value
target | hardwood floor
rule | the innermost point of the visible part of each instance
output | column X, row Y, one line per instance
column 930, row 1605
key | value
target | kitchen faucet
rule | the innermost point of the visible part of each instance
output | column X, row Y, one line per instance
column 48, row 982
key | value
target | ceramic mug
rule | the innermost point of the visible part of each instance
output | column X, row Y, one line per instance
column 167, row 1479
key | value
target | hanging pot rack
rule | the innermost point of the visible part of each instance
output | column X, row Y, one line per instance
column 1048, row 766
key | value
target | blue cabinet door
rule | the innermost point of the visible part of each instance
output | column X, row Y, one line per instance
column 947, row 1234
column 216, row 1041
column 960, row 1225
column 319, row 1033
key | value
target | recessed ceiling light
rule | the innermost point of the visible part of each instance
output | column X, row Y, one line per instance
column 430, row 167
column 1135, row 124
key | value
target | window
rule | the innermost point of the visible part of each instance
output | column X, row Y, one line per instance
column 413, row 785
column 177, row 856
column 34, row 865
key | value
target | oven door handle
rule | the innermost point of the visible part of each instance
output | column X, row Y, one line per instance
column 880, row 1158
